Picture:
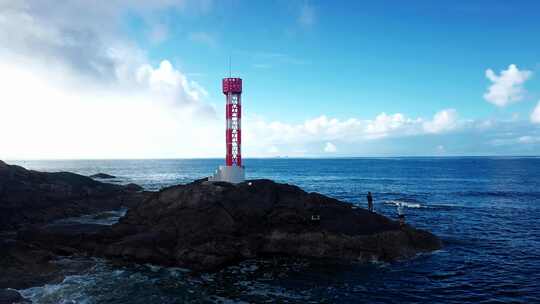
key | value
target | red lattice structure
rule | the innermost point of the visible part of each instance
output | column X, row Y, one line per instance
column 232, row 88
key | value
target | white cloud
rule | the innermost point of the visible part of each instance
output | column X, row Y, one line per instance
column 90, row 93
column 384, row 125
column 45, row 119
column 72, row 87
column 443, row 121
column 506, row 88
column 261, row 135
column 170, row 84
column 330, row 148
column 535, row 115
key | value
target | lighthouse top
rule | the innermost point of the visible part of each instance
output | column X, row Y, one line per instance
column 232, row 85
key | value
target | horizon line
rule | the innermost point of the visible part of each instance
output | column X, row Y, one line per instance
column 272, row 157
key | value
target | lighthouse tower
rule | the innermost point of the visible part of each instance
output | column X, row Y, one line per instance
column 233, row 171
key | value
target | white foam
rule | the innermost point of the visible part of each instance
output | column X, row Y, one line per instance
column 153, row 268
column 406, row 204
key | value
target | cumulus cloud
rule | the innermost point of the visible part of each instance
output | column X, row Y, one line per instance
column 72, row 87
column 330, row 148
column 507, row 87
column 45, row 119
column 445, row 120
column 535, row 115
column 384, row 125
column 324, row 130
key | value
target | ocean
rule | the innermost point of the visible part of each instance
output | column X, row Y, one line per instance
column 485, row 209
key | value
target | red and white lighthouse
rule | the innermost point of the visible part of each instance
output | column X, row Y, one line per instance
column 233, row 171
column 232, row 88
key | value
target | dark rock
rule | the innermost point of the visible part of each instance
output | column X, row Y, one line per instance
column 206, row 225
column 201, row 180
column 23, row 265
column 134, row 187
column 30, row 197
column 102, row 176
column 64, row 238
column 8, row 296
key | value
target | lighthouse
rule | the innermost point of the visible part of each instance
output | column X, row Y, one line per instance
column 233, row 171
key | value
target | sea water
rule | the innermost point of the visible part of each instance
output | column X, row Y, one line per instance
column 485, row 209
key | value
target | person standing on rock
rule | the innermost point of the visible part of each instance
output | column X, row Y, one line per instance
column 401, row 214
column 370, row 202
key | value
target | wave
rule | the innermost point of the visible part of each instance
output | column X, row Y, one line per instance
column 419, row 205
column 405, row 203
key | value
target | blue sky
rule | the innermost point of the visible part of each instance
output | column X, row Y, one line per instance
column 321, row 78
column 355, row 58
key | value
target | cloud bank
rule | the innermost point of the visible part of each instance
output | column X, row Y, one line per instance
column 74, row 88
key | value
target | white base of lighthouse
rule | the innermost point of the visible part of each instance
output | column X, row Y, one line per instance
column 230, row 174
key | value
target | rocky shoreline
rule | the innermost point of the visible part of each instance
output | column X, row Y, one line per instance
column 30, row 197
column 202, row 225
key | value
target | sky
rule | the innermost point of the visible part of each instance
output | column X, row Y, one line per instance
column 141, row 79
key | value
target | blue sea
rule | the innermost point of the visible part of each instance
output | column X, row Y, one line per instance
column 485, row 209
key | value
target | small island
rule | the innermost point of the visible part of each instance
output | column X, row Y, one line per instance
column 202, row 225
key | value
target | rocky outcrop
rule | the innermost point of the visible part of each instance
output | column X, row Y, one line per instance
column 31, row 197
column 23, row 265
column 201, row 225
column 205, row 226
